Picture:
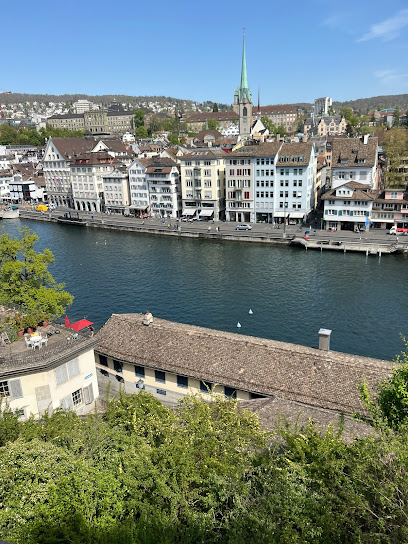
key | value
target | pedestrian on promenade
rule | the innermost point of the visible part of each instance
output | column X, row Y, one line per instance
column 209, row 228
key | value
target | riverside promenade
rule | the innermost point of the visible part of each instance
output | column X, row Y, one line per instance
column 371, row 242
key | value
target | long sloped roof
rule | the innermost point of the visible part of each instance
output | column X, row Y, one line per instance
column 325, row 379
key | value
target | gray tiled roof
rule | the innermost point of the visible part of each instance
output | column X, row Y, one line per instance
column 325, row 379
column 273, row 412
column 352, row 149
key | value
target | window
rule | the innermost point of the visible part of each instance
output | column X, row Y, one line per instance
column 77, row 397
column 66, row 371
column 230, row 392
column 117, row 366
column 205, row 387
column 182, row 381
column 160, row 376
column 4, row 389
column 103, row 360
column 139, row 371
column 161, row 392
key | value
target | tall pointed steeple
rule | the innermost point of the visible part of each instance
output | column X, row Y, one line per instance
column 243, row 91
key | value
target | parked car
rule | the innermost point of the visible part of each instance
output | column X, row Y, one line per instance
column 244, row 226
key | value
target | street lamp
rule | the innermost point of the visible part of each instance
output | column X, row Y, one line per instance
column 284, row 217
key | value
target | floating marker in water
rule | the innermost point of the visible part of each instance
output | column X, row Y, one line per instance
column 239, row 325
column 250, row 312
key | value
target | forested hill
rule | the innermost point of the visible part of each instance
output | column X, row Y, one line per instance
column 364, row 105
column 98, row 99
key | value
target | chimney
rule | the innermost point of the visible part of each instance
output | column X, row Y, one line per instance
column 324, row 339
column 147, row 318
column 365, row 139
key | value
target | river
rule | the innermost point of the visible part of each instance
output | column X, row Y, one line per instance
column 292, row 293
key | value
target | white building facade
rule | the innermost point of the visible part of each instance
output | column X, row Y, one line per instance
column 163, row 180
column 348, row 207
column 139, row 188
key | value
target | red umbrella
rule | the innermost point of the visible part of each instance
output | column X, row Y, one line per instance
column 82, row 324
column 67, row 321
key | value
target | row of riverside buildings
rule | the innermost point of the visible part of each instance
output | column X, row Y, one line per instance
column 268, row 182
column 170, row 360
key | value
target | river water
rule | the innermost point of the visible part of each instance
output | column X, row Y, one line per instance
column 292, row 293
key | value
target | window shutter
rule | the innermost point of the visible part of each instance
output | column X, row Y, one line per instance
column 73, row 368
column 88, row 394
column 16, row 391
column 61, row 374
column 67, row 403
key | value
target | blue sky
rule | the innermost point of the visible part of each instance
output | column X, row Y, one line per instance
column 296, row 50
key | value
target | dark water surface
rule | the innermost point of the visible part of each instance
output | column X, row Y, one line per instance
column 293, row 293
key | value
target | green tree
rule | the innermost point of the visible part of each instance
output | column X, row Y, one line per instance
column 281, row 130
column 25, row 279
column 8, row 135
column 391, row 403
column 141, row 132
column 269, row 125
column 352, row 120
column 213, row 124
column 215, row 107
column 173, row 138
column 396, row 148
column 139, row 119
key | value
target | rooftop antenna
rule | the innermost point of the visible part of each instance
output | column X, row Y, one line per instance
column 259, row 105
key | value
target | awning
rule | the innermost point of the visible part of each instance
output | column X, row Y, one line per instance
column 282, row 214
column 189, row 211
column 296, row 215
column 206, row 213
column 137, row 207
column 82, row 324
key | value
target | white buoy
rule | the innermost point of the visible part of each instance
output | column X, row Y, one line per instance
column 250, row 312
column 239, row 325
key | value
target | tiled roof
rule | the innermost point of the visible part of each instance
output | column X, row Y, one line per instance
column 267, row 149
column 274, row 411
column 359, row 192
column 350, row 150
column 325, row 379
column 279, row 108
column 206, row 153
column 293, row 153
column 217, row 115
column 69, row 147
column 200, row 136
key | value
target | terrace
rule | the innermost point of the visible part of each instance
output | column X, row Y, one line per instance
column 62, row 343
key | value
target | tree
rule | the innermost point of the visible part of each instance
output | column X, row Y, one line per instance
column 391, row 403
column 141, row 132
column 139, row 119
column 396, row 117
column 154, row 125
column 25, row 279
column 352, row 120
column 212, row 124
column 215, row 107
column 269, row 125
column 396, row 148
column 173, row 138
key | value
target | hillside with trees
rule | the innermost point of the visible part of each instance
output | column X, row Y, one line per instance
column 205, row 473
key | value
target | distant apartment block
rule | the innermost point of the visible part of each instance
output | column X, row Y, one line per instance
column 322, row 106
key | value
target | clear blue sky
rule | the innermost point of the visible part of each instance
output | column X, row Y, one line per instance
column 296, row 50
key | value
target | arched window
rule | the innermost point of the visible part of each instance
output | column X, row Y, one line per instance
column 245, row 112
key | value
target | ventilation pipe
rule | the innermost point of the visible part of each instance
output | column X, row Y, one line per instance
column 324, row 339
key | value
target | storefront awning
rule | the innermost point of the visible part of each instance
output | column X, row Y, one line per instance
column 281, row 214
column 296, row 215
column 206, row 213
column 189, row 211
column 137, row 207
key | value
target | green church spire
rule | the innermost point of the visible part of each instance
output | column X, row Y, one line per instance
column 243, row 91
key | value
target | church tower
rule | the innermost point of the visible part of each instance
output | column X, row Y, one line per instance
column 243, row 101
